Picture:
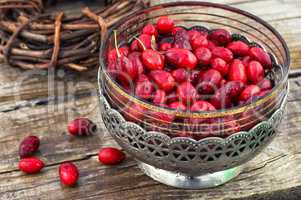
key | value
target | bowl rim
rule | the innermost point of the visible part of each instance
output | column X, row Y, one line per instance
column 214, row 113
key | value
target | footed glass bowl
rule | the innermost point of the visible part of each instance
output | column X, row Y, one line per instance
column 202, row 155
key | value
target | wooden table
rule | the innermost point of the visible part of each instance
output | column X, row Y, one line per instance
column 33, row 103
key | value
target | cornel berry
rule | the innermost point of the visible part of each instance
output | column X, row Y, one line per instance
column 189, row 70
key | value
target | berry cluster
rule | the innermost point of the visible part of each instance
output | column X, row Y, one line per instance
column 68, row 172
column 189, row 69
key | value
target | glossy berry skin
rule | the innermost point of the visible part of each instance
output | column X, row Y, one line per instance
column 150, row 29
column 135, row 58
column 237, row 71
column 260, row 55
column 180, row 75
column 31, row 165
column 163, row 79
column 203, row 55
column 246, row 60
column 152, row 59
column 177, row 106
column 211, row 45
column 194, row 76
column 135, row 46
column 181, row 40
column 81, row 127
column 220, row 65
column 29, row 146
column 176, row 29
column 165, row 46
column 199, row 41
column 181, row 58
column 126, row 70
column 220, row 36
column 146, row 39
column 201, row 106
column 165, row 24
column 255, row 72
column 186, row 92
column 223, row 53
column 144, row 88
column 265, row 84
column 134, row 112
column 112, row 55
column 110, row 156
column 159, row 97
column 249, row 92
column 210, row 81
column 226, row 95
column 68, row 173
column 238, row 48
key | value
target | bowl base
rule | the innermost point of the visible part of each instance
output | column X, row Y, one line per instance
column 183, row 181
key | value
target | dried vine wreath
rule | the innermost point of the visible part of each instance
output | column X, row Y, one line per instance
column 33, row 38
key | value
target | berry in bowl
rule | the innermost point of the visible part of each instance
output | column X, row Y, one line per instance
column 193, row 90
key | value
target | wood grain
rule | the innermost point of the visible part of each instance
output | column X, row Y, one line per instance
column 39, row 107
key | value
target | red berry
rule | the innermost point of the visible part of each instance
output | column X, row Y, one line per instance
column 126, row 70
column 210, row 81
column 263, row 93
column 150, row 30
column 249, row 92
column 193, row 34
column 203, row 55
column 134, row 112
column 176, row 29
column 165, row 24
column 135, row 58
column 220, row 65
column 199, row 106
column 112, row 55
column 225, row 96
column 172, row 97
column 159, row 97
column 31, row 165
column 237, row 72
column 181, row 40
column 261, row 56
column 199, row 41
column 68, row 173
column 177, row 106
column 246, row 60
column 181, row 58
column 255, row 72
column 265, row 84
column 152, row 59
column 194, row 76
column 163, row 79
column 223, row 53
column 81, row 126
column 144, row 88
column 29, row 146
column 211, row 45
column 146, row 40
column 135, row 46
column 239, row 48
column 186, row 92
column 220, row 36
column 110, row 156
column 165, row 46
column 180, row 75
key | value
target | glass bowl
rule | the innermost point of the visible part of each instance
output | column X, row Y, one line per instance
column 180, row 148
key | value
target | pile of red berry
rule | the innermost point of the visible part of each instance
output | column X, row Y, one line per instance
column 68, row 172
column 192, row 69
